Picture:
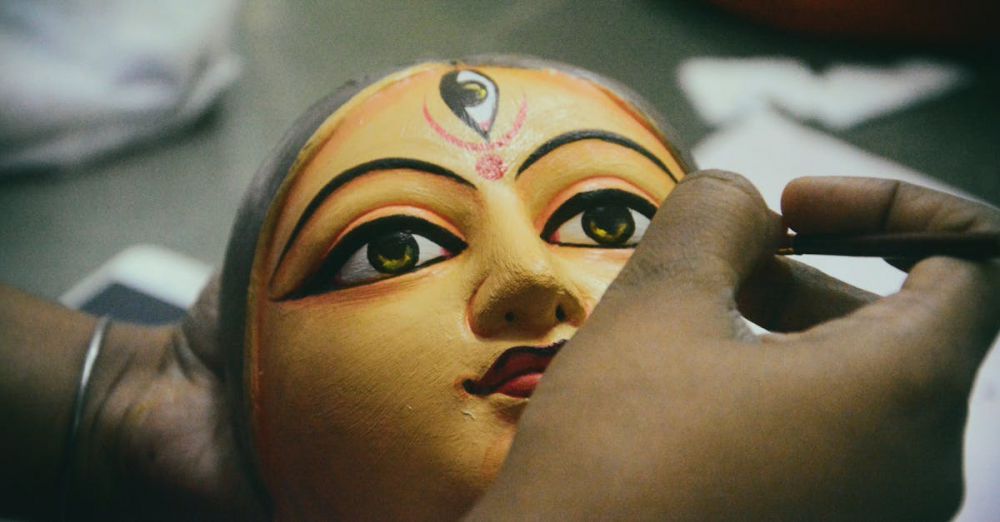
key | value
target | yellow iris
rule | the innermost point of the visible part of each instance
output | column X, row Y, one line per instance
column 609, row 225
column 393, row 265
column 477, row 90
column 393, row 253
column 608, row 236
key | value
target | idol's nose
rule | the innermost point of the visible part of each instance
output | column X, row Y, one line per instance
column 524, row 295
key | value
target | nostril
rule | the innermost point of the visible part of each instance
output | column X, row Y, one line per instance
column 560, row 313
column 509, row 317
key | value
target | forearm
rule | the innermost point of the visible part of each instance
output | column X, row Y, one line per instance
column 42, row 347
column 42, row 351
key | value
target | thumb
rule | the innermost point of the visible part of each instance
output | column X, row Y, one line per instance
column 200, row 329
column 706, row 239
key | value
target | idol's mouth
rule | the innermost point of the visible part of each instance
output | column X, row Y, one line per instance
column 516, row 372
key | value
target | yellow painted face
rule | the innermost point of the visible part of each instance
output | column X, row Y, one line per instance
column 441, row 237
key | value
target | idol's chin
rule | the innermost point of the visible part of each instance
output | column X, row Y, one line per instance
column 507, row 407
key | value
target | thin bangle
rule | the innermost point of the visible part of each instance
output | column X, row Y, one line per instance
column 93, row 350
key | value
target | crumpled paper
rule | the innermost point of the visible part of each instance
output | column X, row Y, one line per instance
column 82, row 78
column 724, row 90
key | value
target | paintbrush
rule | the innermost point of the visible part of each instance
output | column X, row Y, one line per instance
column 903, row 245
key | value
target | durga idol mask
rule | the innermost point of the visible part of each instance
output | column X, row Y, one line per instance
column 433, row 245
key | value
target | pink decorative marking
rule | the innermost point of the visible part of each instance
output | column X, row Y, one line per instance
column 474, row 147
column 490, row 166
column 522, row 114
column 480, row 147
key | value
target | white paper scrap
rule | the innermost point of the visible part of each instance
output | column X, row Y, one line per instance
column 727, row 89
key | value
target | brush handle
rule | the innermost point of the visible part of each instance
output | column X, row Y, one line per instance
column 907, row 245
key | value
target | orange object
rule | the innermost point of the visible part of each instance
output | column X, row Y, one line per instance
column 438, row 238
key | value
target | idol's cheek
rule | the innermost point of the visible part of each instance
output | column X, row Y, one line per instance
column 382, row 389
column 592, row 269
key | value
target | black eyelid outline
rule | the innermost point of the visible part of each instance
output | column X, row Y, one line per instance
column 592, row 134
column 321, row 280
column 355, row 172
column 579, row 202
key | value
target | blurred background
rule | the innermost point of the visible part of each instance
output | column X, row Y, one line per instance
column 181, row 184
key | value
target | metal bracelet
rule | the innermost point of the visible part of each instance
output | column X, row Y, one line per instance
column 93, row 350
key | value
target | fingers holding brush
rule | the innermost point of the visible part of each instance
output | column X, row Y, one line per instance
column 860, row 217
column 785, row 295
column 844, row 205
column 897, row 221
column 948, row 305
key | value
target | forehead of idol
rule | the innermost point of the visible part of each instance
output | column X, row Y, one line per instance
column 405, row 116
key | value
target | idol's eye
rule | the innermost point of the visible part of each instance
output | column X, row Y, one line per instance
column 606, row 218
column 381, row 249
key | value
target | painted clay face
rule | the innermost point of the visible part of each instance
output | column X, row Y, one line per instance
column 440, row 238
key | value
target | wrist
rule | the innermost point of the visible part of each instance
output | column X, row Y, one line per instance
column 99, row 473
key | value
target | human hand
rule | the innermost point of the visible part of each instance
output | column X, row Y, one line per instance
column 665, row 404
column 157, row 441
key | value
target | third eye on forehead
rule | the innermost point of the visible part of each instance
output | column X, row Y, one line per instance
column 473, row 97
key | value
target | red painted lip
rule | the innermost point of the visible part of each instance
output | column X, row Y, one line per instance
column 516, row 372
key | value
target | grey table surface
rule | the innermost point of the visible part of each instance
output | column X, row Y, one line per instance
column 183, row 192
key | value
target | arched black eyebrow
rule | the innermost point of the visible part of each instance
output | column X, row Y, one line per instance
column 356, row 172
column 610, row 137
